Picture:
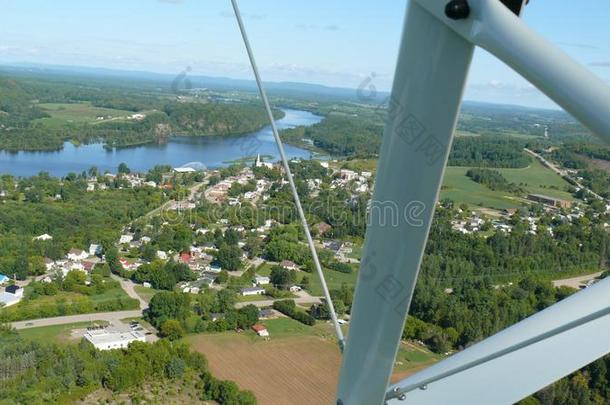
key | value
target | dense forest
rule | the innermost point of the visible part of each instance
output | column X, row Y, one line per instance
column 488, row 151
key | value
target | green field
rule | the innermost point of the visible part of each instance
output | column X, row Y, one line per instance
column 78, row 113
column 334, row 279
column 145, row 293
column 56, row 333
column 535, row 179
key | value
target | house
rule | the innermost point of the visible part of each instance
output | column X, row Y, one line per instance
column 15, row 290
column 161, row 255
column 552, row 201
column 295, row 288
column 7, row 299
column 145, row 239
column 48, row 262
column 184, row 170
column 125, row 239
column 322, row 228
column 261, row 280
column 88, row 265
column 44, row 236
column 11, row 296
column 288, row 265
column 3, row 279
column 260, row 330
column 103, row 339
column 266, row 313
column 95, row 250
column 77, row 254
column 215, row 316
column 252, row 291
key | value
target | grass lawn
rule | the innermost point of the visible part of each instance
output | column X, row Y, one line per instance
column 252, row 298
column 334, row 279
column 534, row 179
column 145, row 293
column 56, row 333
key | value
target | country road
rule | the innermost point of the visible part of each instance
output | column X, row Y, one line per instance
column 110, row 317
column 562, row 173
column 576, row 282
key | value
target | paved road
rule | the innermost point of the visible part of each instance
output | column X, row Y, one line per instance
column 111, row 317
column 576, row 282
column 561, row 172
column 268, row 303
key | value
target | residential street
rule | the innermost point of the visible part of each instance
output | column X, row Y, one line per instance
column 111, row 317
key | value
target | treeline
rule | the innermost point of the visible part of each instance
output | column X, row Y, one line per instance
column 33, row 373
column 488, row 151
column 216, row 118
column 341, row 135
column 289, row 308
column 176, row 314
column 493, row 179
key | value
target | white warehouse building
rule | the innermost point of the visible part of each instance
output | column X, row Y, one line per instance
column 104, row 339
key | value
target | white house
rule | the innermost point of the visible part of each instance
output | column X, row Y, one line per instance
column 49, row 263
column 295, row 288
column 125, row 239
column 161, row 255
column 77, row 254
column 261, row 280
column 11, row 296
column 251, row 291
column 44, row 236
column 184, row 170
column 287, row 264
column 95, row 249
column 103, row 339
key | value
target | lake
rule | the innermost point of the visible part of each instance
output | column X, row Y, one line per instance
column 212, row 151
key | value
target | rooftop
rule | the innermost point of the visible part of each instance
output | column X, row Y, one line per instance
column 104, row 336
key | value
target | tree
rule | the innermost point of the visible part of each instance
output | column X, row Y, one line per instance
column 168, row 305
column 222, row 277
column 123, row 168
column 282, row 278
column 22, row 267
column 37, row 266
column 172, row 329
column 229, row 257
column 149, row 252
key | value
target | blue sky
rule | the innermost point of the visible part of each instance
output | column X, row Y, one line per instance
column 332, row 42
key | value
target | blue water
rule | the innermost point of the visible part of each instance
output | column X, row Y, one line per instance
column 212, row 151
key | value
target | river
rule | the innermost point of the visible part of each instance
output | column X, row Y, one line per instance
column 212, row 151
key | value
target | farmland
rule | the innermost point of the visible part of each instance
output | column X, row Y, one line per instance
column 62, row 113
column 298, row 365
column 534, row 179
